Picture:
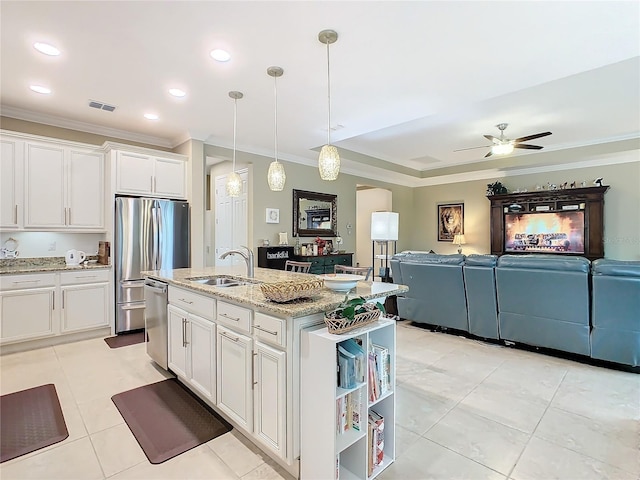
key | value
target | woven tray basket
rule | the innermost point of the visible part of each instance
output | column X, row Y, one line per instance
column 287, row 291
column 342, row 325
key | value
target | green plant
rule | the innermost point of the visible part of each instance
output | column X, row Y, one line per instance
column 350, row 308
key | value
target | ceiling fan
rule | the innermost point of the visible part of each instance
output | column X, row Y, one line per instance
column 503, row 146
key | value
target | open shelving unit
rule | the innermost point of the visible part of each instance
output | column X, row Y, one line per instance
column 327, row 452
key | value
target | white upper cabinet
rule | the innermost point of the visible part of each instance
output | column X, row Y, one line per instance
column 11, row 206
column 63, row 187
column 141, row 174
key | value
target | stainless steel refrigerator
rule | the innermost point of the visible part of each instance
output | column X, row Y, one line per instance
column 150, row 234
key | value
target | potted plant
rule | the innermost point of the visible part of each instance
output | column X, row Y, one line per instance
column 352, row 313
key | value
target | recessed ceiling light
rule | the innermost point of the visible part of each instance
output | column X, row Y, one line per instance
column 220, row 55
column 46, row 49
column 176, row 92
column 40, row 89
column 151, row 116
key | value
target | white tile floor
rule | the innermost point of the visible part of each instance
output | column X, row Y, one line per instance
column 465, row 409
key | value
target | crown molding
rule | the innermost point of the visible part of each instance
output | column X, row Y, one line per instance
column 56, row 121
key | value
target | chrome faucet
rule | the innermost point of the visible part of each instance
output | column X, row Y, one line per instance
column 248, row 258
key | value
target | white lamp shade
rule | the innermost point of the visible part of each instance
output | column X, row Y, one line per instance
column 458, row 239
column 384, row 225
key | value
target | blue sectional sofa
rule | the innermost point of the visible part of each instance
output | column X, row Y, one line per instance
column 616, row 311
column 563, row 303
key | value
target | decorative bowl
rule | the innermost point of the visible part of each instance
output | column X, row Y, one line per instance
column 341, row 282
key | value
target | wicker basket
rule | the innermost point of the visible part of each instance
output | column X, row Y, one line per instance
column 287, row 291
column 342, row 325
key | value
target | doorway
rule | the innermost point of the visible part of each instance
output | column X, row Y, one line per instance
column 369, row 200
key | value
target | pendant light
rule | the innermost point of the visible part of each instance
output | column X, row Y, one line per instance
column 329, row 159
column 234, row 182
column 276, row 176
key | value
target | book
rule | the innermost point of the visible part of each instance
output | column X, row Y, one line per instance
column 383, row 366
column 356, row 349
column 356, row 405
column 347, row 368
column 377, row 437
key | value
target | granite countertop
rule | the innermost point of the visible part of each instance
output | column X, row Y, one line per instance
column 252, row 296
column 43, row 264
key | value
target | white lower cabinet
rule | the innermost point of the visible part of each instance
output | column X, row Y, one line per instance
column 85, row 300
column 269, row 397
column 27, row 314
column 42, row 305
column 347, row 432
column 192, row 350
column 234, row 376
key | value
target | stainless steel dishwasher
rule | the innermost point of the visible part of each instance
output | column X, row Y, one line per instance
column 156, row 321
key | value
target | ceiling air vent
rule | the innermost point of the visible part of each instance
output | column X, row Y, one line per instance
column 101, row 106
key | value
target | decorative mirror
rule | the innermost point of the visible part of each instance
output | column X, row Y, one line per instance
column 315, row 214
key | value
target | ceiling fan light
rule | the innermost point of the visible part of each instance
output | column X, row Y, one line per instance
column 234, row 185
column 502, row 149
column 329, row 163
column 276, row 176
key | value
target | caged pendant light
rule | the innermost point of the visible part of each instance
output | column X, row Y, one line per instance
column 276, row 176
column 234, row 182
column 329, row 159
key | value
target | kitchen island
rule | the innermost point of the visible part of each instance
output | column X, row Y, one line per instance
column 240, row 352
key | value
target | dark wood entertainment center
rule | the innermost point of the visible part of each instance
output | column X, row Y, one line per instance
column 590, row 200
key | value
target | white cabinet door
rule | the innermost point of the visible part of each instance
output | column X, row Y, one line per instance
column 134, row 173
column 269, row 394
column 27, row 314
column 11, row 152
column 177, row 341
column 45, row 186
column 85, row 307
column 233, row 373
column 170, row 178
column 85, row 194
column 201, row 352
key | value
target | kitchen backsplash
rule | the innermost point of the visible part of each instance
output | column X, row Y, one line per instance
column 52, row 244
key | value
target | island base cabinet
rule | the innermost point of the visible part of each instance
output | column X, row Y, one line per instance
column 27, row 314
column 234, row 376
column 269, row 394
column 192, row 350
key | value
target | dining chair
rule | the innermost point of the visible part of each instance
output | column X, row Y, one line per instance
column 300, row 267
column 364, row 271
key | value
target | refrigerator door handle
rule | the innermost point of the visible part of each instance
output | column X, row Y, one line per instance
column 155, row 235
column 159, row 228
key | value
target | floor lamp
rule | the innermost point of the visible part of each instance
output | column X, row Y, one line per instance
column 384, row 229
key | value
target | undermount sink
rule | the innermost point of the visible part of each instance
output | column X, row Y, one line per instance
column 222, row 281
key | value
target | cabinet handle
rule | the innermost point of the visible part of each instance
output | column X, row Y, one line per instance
column 183, row 300
column 53, row 296
column 63, row 294
column 235, row 339
column 69, row 215
column 24, row 281
column 265, row 330
column 80, row 277
column 235, row 319
column 185, row 333
column 15, row 214
column 155, row 183
column 253, row 370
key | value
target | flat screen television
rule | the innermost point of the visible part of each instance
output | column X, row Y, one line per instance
column 544, row 232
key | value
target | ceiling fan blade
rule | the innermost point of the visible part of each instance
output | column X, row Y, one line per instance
column 471, row 148
column 491, row 138
column 528, row 147
column 488, row 154
column 532, row 137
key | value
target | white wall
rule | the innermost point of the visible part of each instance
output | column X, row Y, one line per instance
column 52, row 244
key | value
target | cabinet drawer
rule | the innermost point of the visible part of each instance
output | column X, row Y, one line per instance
column 19, row 282
column 238, row 318
column 84, row 276
column 192, row 302
column 269, row 329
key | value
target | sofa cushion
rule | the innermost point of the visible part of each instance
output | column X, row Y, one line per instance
column 545, row 262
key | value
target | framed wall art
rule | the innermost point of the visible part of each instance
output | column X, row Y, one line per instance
column 273, row 215
column 450, row 221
